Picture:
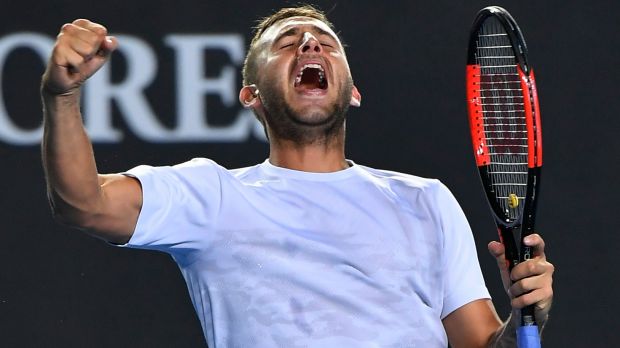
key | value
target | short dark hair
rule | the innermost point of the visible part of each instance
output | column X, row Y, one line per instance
column 250, row 69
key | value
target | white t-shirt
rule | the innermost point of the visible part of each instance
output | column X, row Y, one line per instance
column 275, row 257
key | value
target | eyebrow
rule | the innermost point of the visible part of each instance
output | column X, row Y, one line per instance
column 295, row 31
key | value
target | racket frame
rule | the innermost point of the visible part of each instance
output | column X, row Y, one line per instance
column 524, row 224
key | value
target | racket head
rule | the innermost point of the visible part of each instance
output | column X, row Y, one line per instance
column 504, row 116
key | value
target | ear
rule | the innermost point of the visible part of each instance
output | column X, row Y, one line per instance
column 356, row 97
column 248, row 96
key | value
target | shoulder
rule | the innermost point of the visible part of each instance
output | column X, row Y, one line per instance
column 404, row 180
column 195, row 167
column 411, row 190
column 195, row 173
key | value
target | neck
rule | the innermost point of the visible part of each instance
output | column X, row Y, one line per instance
column 318, row 158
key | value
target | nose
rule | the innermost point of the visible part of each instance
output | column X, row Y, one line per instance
column 309, row 44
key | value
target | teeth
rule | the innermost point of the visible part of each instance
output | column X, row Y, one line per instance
column 313, row 66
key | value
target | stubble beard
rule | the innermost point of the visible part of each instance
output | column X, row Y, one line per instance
column 314, row 128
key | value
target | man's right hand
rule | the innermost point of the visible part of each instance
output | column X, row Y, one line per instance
column 81, row 48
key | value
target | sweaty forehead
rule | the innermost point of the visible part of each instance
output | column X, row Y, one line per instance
column 302, row 23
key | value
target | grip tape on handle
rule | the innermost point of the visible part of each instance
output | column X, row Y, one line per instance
column 527, row 337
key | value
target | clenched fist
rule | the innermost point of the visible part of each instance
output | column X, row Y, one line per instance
column 81, row 48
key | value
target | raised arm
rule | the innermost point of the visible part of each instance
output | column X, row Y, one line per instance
column 107, row 206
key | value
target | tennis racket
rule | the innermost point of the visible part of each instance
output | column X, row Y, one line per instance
column 504, row 121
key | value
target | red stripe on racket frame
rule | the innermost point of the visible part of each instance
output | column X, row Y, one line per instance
column 476, row 121
column 532, row 119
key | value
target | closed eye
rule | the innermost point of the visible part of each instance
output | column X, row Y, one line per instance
column 286, row 45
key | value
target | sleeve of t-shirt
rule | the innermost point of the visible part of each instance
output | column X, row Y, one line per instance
column 463, row 280
column 179, row 204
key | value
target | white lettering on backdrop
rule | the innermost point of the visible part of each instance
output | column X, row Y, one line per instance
column 192, row 86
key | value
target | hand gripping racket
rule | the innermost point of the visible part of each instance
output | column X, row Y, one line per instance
column 504, row 121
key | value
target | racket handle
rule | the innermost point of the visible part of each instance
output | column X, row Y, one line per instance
column 527, row 337
column 527, row 316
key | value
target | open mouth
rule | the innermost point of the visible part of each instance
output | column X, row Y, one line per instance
column 311, row 76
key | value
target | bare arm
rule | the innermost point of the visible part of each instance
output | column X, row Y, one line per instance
column 476, row 324
column 472, row 325
column 105, row 205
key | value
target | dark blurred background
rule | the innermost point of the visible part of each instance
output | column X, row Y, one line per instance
column 62, row 288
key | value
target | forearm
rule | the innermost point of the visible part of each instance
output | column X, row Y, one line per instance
column 68, row 160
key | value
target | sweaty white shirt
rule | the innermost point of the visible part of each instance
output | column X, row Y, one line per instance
column 275, row 257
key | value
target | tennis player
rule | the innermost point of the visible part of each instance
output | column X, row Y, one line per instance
column 306, row 249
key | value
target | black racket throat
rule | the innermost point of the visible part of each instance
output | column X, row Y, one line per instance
column 504, row 215
column 513, row 229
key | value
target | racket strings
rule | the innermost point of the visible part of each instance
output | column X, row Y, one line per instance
column 505, row 129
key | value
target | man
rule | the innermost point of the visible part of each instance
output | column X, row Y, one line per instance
column 307, row 249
